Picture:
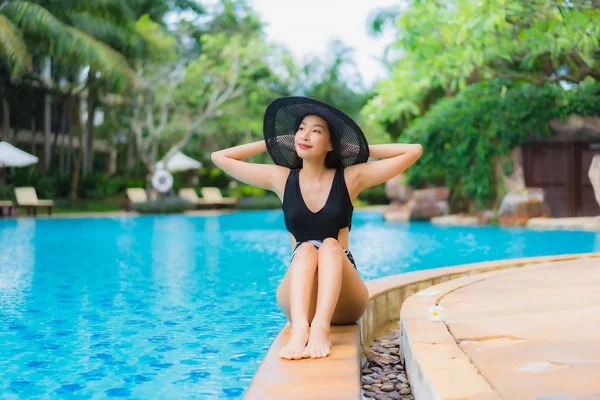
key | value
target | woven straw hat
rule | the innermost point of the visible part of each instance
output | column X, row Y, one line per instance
column 283, row 117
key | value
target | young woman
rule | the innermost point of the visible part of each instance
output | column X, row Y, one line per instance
column 321, row 165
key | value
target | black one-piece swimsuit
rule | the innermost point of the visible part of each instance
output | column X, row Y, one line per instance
column 315, row 227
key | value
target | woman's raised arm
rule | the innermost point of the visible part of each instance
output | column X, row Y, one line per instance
column 265, row 176
column 396, row 158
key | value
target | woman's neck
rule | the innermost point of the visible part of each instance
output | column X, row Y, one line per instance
column 314, row 170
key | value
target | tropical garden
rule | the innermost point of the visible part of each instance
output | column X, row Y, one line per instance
column 126, row 83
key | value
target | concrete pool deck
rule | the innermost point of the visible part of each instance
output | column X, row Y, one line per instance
column 514, row 329
column 520, row 333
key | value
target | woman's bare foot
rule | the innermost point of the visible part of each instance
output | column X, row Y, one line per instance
column 318, row 342
column 295, row 347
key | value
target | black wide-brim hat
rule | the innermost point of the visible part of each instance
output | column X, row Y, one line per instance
column 283, row 117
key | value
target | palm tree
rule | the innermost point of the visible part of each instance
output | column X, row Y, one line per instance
column 27, row 28
column 112, row 23
column 45, row 34
column 21, row 20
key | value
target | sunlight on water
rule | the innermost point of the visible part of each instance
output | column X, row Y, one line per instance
column 179, row 307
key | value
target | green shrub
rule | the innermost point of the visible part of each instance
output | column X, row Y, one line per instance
column 6, row 191
column 358, row 203
column 96, row 185
column 463, row 135
column 244, row 190
column 374, row 195
column 107, row 204
column 267, row 202
column 213, row 177
column 165, row 205
column 125, row 183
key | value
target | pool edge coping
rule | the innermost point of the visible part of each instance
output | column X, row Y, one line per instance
column 386, row 296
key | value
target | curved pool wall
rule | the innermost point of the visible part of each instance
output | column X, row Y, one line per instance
column 185, row 306
column 435, row 366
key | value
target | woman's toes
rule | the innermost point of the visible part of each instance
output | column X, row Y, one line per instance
column 298, row 355
column 283, row 353
column 294, row 349
column 318, row 343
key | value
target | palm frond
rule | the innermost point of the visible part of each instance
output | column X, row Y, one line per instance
column 32, row 18
column 98, row 55
column 103, row 29
column 70, row 42
column 120, row 8
column 117, row 9
column 12, row 48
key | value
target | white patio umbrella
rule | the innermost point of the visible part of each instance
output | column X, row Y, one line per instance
column 179, row 162
column 10, row 156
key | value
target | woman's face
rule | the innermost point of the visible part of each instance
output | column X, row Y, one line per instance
column 313, row 139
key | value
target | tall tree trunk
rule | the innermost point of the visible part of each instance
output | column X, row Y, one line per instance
column 90, row 129
column 33, row 136
column 47, row 116
column 88, row 155
column 78, row 164
column 15, row 133
column 63, row 130
column 71, row 139
column 5, row 121
column 131, row 161
column 83, row 138
column 152, row 166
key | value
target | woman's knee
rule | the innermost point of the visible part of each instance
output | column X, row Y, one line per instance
column 330, row 245
column 305, row 249
column 305, row 258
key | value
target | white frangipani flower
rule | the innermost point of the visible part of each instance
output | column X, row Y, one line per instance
column 436, row 313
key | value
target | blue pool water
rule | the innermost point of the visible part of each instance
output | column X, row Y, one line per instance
column 184, row 307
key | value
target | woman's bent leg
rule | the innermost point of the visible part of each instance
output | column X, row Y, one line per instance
column 295, row 297
column 352, row 297
column 342, row 296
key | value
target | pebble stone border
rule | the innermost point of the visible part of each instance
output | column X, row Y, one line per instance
column 383, row 381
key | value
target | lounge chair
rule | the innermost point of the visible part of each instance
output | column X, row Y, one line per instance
column 190, row 195
column 6, row 207
column 27, row 197
column 135, row 195
column 212, row 195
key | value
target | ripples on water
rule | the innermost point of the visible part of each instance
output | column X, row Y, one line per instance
column 184, row 307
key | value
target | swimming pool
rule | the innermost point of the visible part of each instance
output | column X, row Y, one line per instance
column 184, row 307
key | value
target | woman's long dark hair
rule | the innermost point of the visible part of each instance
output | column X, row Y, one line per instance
column 333, row 159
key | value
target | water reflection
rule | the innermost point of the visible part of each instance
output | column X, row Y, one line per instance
column 188, row 303
column 212, row 246
column 173, row 257
column 17, row 261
